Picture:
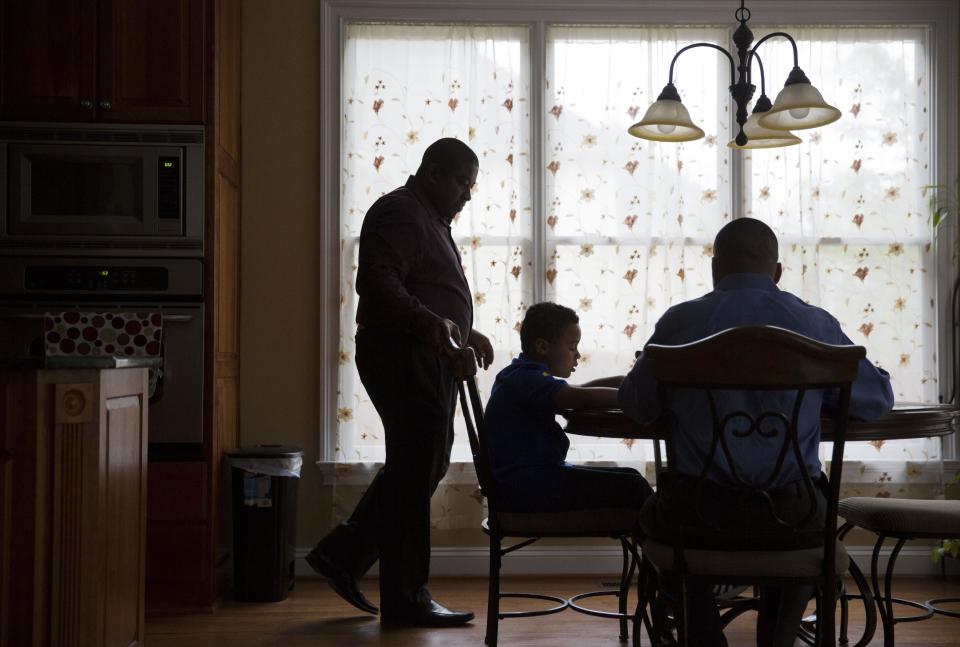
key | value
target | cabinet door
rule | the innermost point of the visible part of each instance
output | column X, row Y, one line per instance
column 151, row 61
column 49, row 60
column 125, row 482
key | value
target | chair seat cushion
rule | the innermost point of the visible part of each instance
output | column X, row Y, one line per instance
column 604, row 522
column 746, row 563
column 903, row 516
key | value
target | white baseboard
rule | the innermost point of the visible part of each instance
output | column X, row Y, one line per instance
column 588, row 560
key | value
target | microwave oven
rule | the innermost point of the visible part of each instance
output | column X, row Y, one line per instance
column 92, row 188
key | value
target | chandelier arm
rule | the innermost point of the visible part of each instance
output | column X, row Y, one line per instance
column 793, row 43
column 763, row 83
column 716, row 47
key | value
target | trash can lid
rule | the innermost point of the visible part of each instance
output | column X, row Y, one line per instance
column 266, row 451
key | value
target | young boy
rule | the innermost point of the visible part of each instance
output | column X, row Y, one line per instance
column 527, row 448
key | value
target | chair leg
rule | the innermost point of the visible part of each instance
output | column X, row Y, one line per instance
column 818, row 628
column 645, row 604
column 844, row 616
column 827, row 614
column 889, row 621
column 493, row 592
column 625, row 576
column 882, row 605
column 683, row 627
column 869, row 608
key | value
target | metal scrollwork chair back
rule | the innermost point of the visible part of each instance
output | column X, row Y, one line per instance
column 755, row 382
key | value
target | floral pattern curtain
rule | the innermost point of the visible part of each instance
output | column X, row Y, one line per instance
column 628, row 224
column 849, row 207
column 629, row 221
column 405, row 86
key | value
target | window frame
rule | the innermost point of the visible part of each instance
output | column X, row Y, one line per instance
column 941, row 18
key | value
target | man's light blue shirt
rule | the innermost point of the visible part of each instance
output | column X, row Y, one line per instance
column 742, row 300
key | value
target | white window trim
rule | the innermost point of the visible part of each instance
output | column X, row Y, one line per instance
column 940, row 17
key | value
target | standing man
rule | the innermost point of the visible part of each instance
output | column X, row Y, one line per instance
column 414, row 299
column 745, row 276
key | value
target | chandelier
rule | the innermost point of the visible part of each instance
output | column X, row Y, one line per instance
column 799, row 105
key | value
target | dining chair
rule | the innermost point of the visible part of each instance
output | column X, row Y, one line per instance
column 900, row 519
column 777, row 368
column 620, row 524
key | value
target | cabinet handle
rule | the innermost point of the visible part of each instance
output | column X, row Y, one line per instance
column 86, row 104
column 106, row 105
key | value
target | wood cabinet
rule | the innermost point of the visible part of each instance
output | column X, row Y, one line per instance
column 73, row 506
column 188, row 549
column 155, row 61
column 123, row 61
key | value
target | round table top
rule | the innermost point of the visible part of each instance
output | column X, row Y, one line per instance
column 906, row 420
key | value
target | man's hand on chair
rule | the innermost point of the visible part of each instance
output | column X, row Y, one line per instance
column 482, row 348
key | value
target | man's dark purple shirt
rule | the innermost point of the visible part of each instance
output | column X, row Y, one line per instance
column 410, row 270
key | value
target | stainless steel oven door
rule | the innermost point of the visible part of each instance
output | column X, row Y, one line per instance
column 176, row 409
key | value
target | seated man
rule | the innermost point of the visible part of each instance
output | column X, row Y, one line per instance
column 745, row 274
column 527, row 447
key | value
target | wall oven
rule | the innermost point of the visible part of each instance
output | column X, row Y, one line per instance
column 33, row 285
column 88, row 188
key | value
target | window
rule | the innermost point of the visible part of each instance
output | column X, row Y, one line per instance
column 404, row 87
column 570, row 208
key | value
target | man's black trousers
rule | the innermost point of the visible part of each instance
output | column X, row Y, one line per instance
column 415, row 395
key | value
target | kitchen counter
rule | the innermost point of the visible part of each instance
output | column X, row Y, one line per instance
column 37, row 363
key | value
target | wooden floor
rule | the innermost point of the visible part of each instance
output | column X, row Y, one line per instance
column 314, row 615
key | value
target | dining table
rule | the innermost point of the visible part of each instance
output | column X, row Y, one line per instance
column 906, row 420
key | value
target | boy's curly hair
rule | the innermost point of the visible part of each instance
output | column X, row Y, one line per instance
column 545, row 320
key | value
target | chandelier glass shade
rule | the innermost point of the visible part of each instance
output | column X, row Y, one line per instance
column 799, row 105
column 666, row 120
column 759, row 136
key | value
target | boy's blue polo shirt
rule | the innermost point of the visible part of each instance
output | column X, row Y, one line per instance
column 526, row 446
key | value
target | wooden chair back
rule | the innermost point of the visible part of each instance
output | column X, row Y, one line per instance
column 758, row 359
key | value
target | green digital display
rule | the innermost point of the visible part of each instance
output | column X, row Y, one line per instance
column 168, row 165
column 104, row 272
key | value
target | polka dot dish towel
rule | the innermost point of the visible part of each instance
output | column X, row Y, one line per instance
column 103, row 334
column 106, row 334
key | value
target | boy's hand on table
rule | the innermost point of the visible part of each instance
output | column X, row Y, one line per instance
column 482, row 348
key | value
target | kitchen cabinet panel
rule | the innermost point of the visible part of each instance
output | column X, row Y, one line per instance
column 123, row 61
column 151, row 61
column 77, row 497
column 49, row 60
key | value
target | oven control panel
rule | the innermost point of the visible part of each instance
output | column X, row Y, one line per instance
column 106, row 278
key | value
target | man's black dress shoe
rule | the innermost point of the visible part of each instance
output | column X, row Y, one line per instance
column 340, row 580
column 432, row 614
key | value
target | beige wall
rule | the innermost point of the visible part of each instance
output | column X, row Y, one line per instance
column 280, row 111
column 279, row 278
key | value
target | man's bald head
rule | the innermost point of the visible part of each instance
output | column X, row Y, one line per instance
column 449, row 152
column 745, row 245
column 447, row 175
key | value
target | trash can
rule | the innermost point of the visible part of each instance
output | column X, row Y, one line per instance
column 264, row 520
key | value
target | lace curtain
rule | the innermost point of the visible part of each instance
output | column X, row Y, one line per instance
column 849, row 208
column 405, row 86
column 628, row 224
column 629, row 221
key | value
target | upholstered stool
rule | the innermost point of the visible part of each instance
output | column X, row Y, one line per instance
column 901, row 519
